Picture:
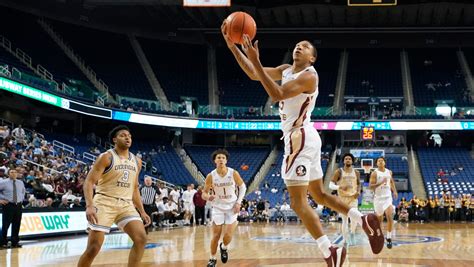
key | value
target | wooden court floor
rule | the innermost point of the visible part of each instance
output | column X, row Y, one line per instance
column 259, row 245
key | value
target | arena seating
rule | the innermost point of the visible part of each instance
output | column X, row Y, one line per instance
column 236, row 89
column 251, row 156
column 118, row 67
column 436, row 75
column 448, row 159
column 327, row 66
column 181, row 69
column 374, row 72
column 28, row 36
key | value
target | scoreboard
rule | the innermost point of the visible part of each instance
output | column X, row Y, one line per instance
column 371, row 2
column 367, row 133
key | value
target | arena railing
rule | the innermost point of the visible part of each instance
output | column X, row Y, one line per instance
column 63, row 146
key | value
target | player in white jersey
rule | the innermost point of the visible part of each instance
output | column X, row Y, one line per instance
column 228, row 191
column 346, row 181
column 188, row 204
column 301, row 168
column 381, row 181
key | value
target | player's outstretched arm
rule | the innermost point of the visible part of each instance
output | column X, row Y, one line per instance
column 103, row 161
column 244, row 62
column 305, row 83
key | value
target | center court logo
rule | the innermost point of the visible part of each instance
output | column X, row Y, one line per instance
column 356, row 239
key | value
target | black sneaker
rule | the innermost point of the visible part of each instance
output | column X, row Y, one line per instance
column 389, row 243
column 224, row 255
column 212, row 263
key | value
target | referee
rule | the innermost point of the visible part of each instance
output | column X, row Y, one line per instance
column 12, row 193
column 148, row 194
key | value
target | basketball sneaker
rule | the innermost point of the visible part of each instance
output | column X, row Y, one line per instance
column 371, row 227
column 212, row 263
column 224, row 255
column 389, row 243
column 337, row 258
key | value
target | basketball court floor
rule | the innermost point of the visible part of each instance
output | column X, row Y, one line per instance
column 259, row 245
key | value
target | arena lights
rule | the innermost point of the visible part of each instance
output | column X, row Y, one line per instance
column 233, row 125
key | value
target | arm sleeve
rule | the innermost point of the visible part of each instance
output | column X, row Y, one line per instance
column 333, row 186
column 242, row 191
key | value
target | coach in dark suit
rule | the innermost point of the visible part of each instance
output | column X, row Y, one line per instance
column 12, row 193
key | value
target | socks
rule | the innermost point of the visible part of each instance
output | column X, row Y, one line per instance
column 355, row 215
column 213, row 257
column 224, row 247
column 324, row 244
column 389, row 234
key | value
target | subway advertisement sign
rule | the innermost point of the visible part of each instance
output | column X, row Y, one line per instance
column 41, row 223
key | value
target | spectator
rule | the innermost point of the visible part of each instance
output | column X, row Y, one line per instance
column 19, row 135
column 76, row 203
column 48, row 204
column 200, row 205
column 64, row 203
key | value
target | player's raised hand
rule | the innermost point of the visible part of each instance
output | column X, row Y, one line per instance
column 251, row 50
column 91, row 215
column 225, row 34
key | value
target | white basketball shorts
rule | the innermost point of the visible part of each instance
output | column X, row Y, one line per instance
column 302, row 159
column 220, row 217
column 381, row 204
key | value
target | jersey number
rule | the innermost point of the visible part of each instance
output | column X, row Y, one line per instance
column 224, row 191
column 125, row 176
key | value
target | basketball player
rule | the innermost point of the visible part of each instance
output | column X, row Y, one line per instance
column 187, row 203
column 381, row 181
column 301, row 168
column 228, row 192
column 116, row 174
column 346, row 181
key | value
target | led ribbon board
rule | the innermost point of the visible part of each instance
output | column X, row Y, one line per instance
column 252, row 125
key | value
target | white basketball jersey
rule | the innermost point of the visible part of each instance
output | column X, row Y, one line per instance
column 383, row 190
column 295, row 112
column 224, row 188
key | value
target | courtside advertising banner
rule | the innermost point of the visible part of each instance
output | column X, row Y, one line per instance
column 41, row 223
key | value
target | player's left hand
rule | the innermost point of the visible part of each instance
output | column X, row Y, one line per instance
column 236, row 208
column 356, row 196
column 395, row 195
column 251, row 50
column 146, row 219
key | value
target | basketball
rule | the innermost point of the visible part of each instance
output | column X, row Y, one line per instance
column 240, row 23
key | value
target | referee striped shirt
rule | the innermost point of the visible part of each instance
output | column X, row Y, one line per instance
column 148, row 194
